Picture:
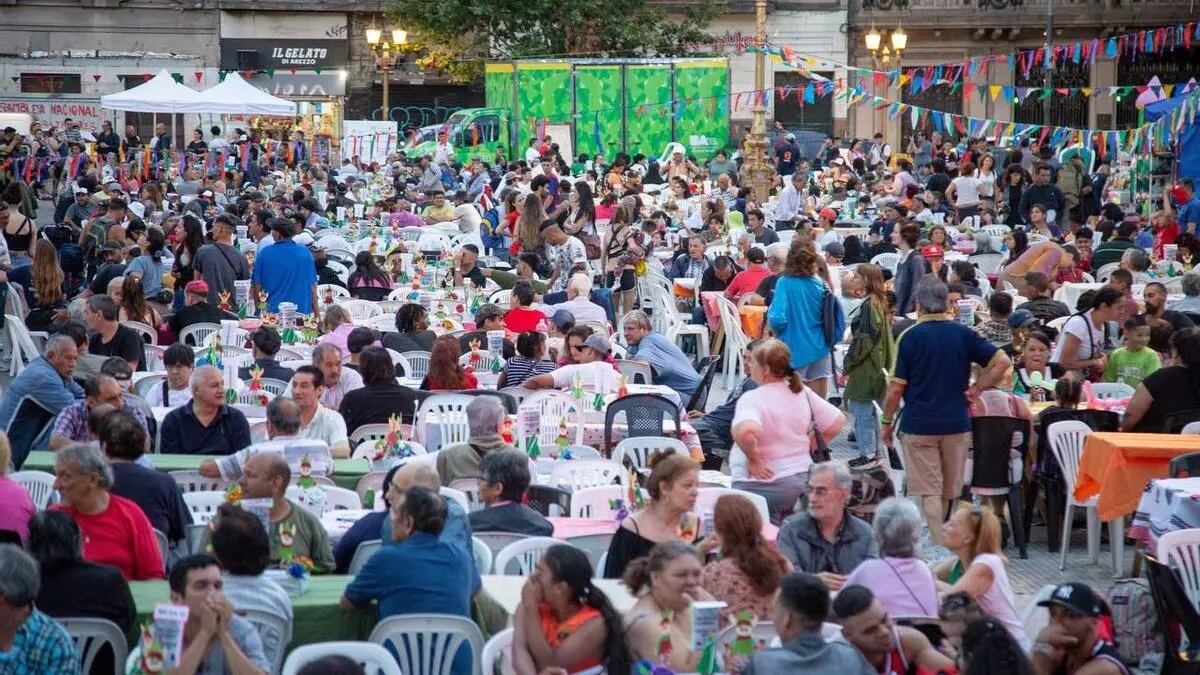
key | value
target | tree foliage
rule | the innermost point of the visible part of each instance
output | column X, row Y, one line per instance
column 456, row 35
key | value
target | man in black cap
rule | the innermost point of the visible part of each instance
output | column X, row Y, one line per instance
column 111, row 266
column 1070, row 643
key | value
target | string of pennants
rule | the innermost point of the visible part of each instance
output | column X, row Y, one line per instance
column 918, row 80
column 1126, row 46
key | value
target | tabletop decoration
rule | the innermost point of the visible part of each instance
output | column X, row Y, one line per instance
column 262, row 304
column 619, row 509
column 223, row 301
column 392, row 446
column 577, row 387
column 562, row 440
column 598, row 402
column 212, row 356
column 255, row 385
column 233, row 494
column 742, row 647
column 287, row 320
column 622, row 387
column 328, row 299
column 309, row 331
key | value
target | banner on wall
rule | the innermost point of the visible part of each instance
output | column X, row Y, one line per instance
column 54, row 111
column 369, row 140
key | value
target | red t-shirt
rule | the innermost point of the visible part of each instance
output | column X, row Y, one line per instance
column 1167, row 234
column 469, row 382
column 746, row 281
column 120, row 536
column 523, row 319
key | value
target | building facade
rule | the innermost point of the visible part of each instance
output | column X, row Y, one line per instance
column 952, row 31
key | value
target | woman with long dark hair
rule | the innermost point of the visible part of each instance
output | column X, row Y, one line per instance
column 368, row 281
column 872, row 350
column 149, row 263
column 989, row 649
column 185, row 256
column 1010, row 191
column 133, row 303
column 749, row 570
column 581, row 218
column 565, row 621
column 445, row 374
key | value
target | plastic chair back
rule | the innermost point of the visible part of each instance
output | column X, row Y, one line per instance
column 275, row 632
column 708, row 370
column 418, row 362
column 362, row 554
column 1181, row 551
column 546, row 498
column 636, row 452
column 192, row 481
column 1170, row 601
column 482, row 554
column 90, row 636
column 203, row 505
column 1174, row 423
column 506, row 399
column 1184, row 466
column 1066, row 442
column 497, row 653
column 525, row 554
column 1098, row 420
column 375, row 659
column 645, row 415
column 39, row 485
column 196, row 334
column 992, row 440
column 425, row 644
column 582, row 473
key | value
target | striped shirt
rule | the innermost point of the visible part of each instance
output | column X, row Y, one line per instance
column 518, row 369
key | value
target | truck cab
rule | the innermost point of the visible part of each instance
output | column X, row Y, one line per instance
column 474, row 132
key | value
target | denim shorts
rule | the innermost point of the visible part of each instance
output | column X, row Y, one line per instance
column 817, row 369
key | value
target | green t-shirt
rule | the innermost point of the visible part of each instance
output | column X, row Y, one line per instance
column 1131, row 367
column 506, row 280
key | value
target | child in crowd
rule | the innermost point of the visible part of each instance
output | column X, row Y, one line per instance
column 1135, row 361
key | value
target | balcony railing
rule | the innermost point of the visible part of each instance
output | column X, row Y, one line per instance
column 1027, row 12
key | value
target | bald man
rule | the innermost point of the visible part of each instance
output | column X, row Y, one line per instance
column 457, row 529
column 293, row 530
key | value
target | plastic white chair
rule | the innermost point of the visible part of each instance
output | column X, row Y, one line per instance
column 425, row 644
column 448, row 412
column 275, row 632
column 23, row 349
column 90, row 636
column 366, row 450
column 639, row 449
column 326, row 290
column 470, row 488
column 1066, row 442
column 373, row 657
column 596, row 502
column 525, row 554
column 481, row 362
column 482, row 554
column 203, row 505
column 367, row 432
column 583, row 473
column 196, row 335
column 192, row 481
column 418, row 362
column 362, row 554
column 1110, row 390
column 553, row 407
column 154, row 358
column 456, row 495
column 143, row 385
column 582, row 452
column 677, row 324
column 1191, row 429
column 706, row 501
column 273, row 387
column 736, row 339
column 633, row 369
column 164, row 546
column 39, row 485
column 497, row 653
column 887, row 260
column 361, row 310
column 988, row 263
column 1181, row 550
column 497, row 541
column 146, row 331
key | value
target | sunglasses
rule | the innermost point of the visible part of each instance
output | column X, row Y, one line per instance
column 579, row 348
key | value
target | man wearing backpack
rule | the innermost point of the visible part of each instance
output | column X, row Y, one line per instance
column 1070, row 643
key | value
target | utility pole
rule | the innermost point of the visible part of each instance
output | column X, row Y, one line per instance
column 761, row 173
column 1048, row 63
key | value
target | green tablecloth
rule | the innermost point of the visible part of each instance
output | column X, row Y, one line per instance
column 346, row 472
column 317, row 616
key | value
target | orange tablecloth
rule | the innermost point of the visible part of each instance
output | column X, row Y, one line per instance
column 752, row 316
column 1117, row 466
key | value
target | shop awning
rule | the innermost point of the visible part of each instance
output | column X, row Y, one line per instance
column 235, row 96
column 161, row 94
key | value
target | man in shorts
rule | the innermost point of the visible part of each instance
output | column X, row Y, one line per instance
column 932, row 376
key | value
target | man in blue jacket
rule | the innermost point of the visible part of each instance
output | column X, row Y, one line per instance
column 37, row 395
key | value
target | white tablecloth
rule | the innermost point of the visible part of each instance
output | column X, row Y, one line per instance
column 338, row 523
column 1167, row 505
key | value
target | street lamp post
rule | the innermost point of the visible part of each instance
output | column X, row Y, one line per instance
column 385, row 59
column 760, row 172
column 880, row 53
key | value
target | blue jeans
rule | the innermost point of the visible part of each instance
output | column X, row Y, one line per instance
column 866, row 426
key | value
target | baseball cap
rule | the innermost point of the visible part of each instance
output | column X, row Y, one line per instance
column 828, row 213
column 206, row 193
column 1076, row 597
column 80, row 190
column 932, row 251
column 138, row 209
column 1021, row 318
column 197, row 286
column 599, row 343
column 562, row 318
column 791, row 136
column 835, row 249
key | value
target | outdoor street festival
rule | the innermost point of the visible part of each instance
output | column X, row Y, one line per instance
column 638, row 338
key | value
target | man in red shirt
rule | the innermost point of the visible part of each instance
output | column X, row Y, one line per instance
column 115, row 530
column 748, row 279
column 522, row 317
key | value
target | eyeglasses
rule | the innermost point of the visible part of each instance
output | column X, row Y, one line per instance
column 579, row 348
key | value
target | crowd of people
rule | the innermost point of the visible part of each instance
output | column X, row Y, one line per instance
column 141, row 252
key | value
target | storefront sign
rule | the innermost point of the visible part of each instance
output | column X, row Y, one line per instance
column 301, row 85
column 301, row 53
column 51, row 111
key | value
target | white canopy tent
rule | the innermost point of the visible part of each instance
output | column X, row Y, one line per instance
column 235, row 96
column 161, row 94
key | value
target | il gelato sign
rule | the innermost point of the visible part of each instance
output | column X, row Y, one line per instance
column 299, row 56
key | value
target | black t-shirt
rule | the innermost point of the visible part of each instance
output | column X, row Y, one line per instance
column 87, row 589
column 420, row 341
column 938, row 182
column 126, row 343
column 376, row 403
column 476, row 277
column 157, row 493
column 1174, row 389
column 106, row 273
column 201, row 312
column 766, row 288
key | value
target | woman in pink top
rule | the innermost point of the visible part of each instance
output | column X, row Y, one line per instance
column 773, row 427
column 337, row 326
column 899, row 579
column 16, row 507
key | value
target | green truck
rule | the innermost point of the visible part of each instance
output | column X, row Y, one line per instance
column 593, row 105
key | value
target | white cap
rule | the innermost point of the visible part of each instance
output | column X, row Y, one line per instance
column 137, row 208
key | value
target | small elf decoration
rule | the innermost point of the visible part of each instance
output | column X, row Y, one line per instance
column 392, row 444
column 577, row 387
column 561, row 440
column 742, row 647
column 687, row 527
column 305, row 481
column 287, row 539
column 475, row 304
column 310, row 330
column 496, row 367
column 328, row 299
column 256, row 387
column 664, row 647
column 619, row 509
column 212, row 357
column 153, row 658
column 262, row 304
column 622, row 387
column 223, row 301
column 474, row 344
column 373, row 243
column 506, row 430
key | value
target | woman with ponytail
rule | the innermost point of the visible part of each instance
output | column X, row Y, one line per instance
column 659, row 625
column 796, row 314
column 774, row 427
column 149, row 265
column 564, row 621
column 749, row 570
